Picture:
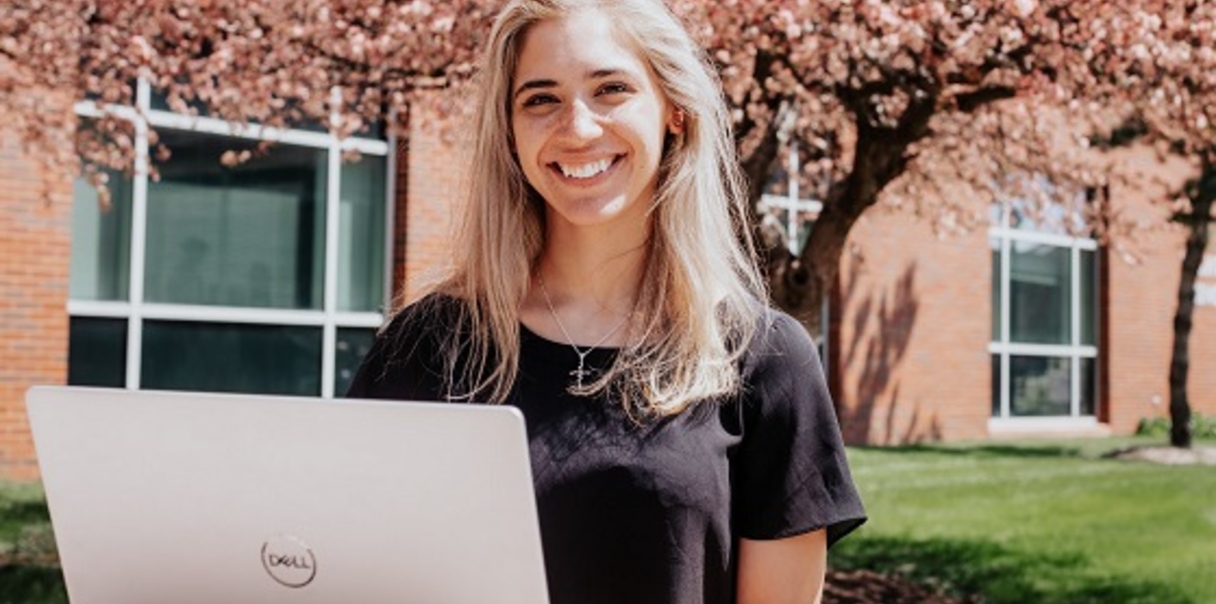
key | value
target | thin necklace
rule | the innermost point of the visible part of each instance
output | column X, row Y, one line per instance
column 582, row 371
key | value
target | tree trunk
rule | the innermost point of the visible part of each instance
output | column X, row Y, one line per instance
column 801, row 285
column 1196, row 242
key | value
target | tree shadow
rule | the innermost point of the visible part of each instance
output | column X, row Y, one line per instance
column 882, row 324
column 23, row 513
column 29, row 562
column 982, row 571
column 31, row 584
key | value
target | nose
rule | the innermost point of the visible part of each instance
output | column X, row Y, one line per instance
column 582, row 123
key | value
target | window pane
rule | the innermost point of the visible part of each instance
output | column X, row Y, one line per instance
column 1039, row 294
column 361, row 247
column 101, row 241
column 1039, row 386
column 97, row 352
column 349, row 350
column 996, row 385
column 1089, row 386
column 253, row 235
column 220, row 357
column 1089, row 298
column 995, row 244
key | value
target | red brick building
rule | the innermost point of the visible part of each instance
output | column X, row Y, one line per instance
column 272, row 278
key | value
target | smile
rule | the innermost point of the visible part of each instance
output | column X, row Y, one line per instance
column 588, row 170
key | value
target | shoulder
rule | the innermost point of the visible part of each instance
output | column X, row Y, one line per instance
column 406, row 359
column 779, row 347
column 432, row 312
column 782, row 381
column 420, row 327
column 433, row 317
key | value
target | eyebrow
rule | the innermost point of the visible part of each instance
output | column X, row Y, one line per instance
column 534, row 85
column 594, row 75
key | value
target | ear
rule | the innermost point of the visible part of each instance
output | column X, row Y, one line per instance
column 675, row 124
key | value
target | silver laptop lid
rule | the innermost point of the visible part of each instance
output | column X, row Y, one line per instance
column 204, row 498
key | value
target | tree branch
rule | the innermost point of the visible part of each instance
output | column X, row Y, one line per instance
column 968, row 102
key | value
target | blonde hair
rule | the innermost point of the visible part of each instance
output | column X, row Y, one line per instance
column 701, row 294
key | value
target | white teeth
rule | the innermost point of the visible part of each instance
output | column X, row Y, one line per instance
column 585, row 170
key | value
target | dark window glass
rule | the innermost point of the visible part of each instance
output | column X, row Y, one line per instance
column 996, row 288
column 996, row 385
column 1039, row 386
column 1040, row 294
column 1089, row 298
column 361, row 248
column 251, row 236
column 352, row 345
column 97, row 352
column 1089, row 386
column 101, row 240
column 222, row 357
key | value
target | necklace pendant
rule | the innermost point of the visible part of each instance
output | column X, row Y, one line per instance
column 579, row 374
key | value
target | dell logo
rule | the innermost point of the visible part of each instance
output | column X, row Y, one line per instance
column 288, row 560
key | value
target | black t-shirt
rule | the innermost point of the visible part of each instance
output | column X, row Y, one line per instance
column 651, row 513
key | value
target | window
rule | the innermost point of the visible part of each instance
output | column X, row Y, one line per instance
column 267, row 277
column 1044, row 319
column 783, row 201
column 784, row 206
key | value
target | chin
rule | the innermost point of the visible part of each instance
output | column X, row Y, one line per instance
column 595, row 212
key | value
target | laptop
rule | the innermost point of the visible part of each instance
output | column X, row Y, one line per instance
column 195, row 498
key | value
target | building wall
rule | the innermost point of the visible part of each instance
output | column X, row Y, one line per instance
column 1144, row 268
column 432, row 172
column 35, row 251
column 912, row 325
column 911, row 333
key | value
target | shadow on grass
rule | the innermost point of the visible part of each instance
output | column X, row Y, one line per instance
column 22, row 513
column 29, row 568
column 979, row 571
column 30, row 584
column 994, row 450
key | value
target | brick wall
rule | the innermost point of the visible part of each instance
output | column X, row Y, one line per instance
column 35, row 254
column 912, row 323
column 912, row 328
column 429, row 186
column 1143, row 297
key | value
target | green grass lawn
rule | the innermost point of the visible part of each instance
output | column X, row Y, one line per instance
column 1025, row 522
column 1042, row 522
column 29, row 572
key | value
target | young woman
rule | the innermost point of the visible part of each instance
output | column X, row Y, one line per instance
column 683, row 442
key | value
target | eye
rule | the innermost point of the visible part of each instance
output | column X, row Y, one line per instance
column 613, row 88
column 539, row 99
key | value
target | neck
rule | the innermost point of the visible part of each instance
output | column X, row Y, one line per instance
column 599, row 270
column 592, row 279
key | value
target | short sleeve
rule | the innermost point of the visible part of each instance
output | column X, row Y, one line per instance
column 790, row 473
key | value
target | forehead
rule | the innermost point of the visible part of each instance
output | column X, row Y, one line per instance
column 573, row 45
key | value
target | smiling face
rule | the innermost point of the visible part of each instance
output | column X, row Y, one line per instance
column 588, row 120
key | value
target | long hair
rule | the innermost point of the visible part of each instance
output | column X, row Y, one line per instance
column 701, row 293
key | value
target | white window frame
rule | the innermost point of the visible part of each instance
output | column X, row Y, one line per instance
column 1075, row 351
column 135, row 310
column 795, row 206
column 798, row 208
